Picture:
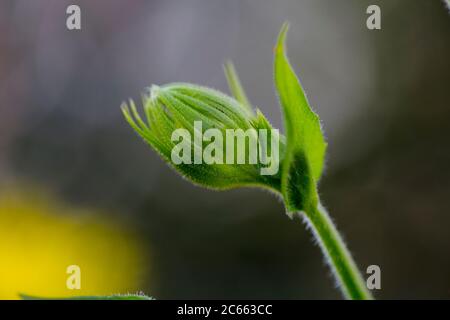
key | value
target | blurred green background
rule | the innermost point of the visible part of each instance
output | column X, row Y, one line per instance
column 383, row 97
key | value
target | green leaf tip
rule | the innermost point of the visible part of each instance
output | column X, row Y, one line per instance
column 306, row 146
column 110, row 297
column 235, row 85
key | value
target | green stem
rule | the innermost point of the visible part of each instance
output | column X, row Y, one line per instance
column 338, row 257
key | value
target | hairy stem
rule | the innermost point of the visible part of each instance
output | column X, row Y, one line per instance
column 338, row 257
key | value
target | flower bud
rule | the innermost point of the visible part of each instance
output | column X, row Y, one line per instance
column 209, row 137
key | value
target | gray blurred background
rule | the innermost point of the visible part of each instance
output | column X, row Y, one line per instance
column 383, row 97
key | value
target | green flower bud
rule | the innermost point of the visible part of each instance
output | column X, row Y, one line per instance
column 210, row 138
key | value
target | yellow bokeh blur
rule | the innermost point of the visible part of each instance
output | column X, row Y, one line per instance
column 40, row 237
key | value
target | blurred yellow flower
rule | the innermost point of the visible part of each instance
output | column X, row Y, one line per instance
column 40, row 238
